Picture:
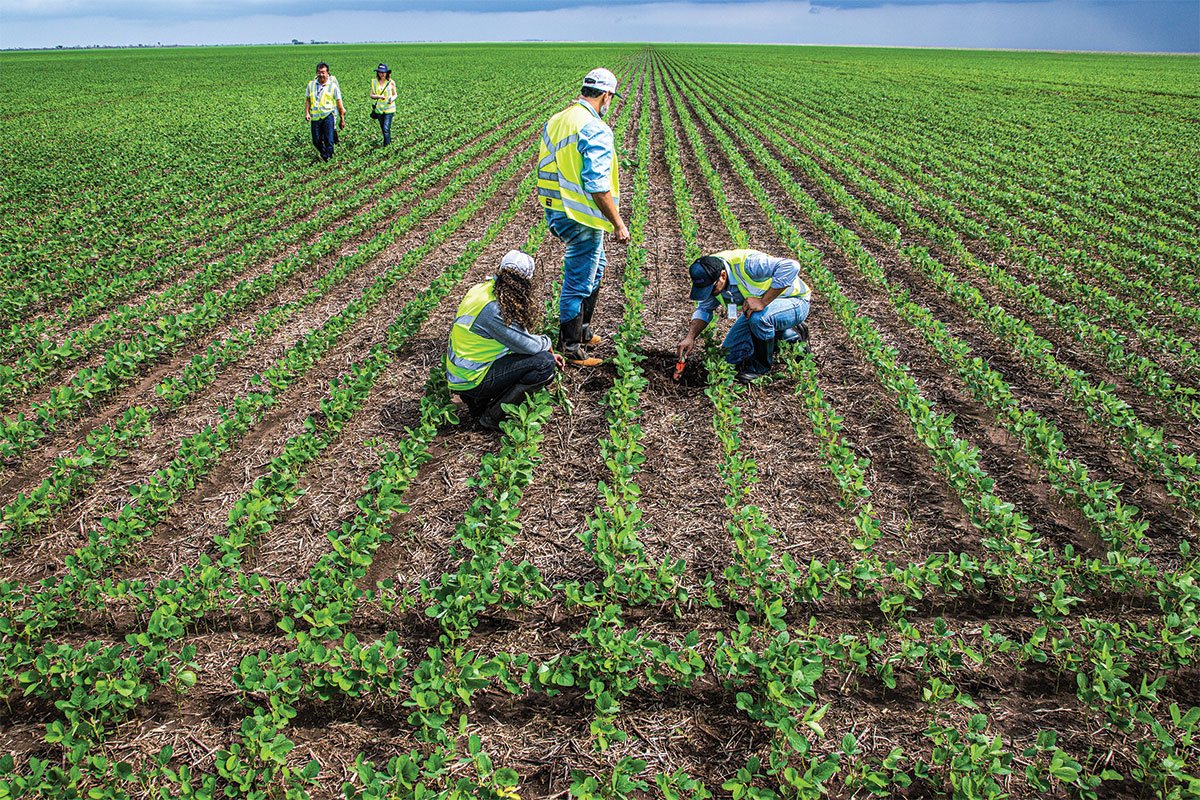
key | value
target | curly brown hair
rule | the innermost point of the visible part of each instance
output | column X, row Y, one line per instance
column 517, row 298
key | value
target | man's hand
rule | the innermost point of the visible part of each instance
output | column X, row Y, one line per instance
column 753, row 305
column 621, row 233
column 608, row 207
column 308, row 117
column 685, row 347
column 341, row 123
column 559, row 361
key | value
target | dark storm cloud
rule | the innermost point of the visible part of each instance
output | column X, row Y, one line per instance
column 878, row 3
column 208, row 9
column 1145, row 25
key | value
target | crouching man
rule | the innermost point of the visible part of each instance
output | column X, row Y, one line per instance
column 492, row 358
column 773, row 303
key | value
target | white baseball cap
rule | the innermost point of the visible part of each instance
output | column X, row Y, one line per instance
column 518, row 262
column 601, row 79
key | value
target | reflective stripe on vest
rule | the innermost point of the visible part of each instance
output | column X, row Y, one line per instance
column 387, row 106
column 469, row 356
column 560, row 169
column 323, row 105
column 752, row 287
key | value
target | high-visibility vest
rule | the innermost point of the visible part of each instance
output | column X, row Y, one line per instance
column 384, row 106
column 469, row 355
column 752, row 287
column 322, row 106
column 560, row 169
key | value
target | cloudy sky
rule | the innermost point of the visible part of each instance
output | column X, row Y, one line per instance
column 1138, row 25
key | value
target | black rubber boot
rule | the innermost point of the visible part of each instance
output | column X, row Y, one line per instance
column 570, row 343
column 759, row 364
column 490, row 419
column 589, row 336
column 797, row 335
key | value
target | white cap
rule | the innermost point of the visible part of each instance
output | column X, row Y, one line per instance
column 518, row 262
column 601, row 79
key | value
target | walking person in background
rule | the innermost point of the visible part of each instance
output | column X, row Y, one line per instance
column 322, row 99
column 774, row 303
column 492, row 358
column 383, row 92
column 579, row 189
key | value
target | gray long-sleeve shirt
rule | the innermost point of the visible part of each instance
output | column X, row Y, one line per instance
column 515, row 338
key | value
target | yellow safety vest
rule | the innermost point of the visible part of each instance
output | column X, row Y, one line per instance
column 322, row 106
column 560, row 169
column 751, row 287
column 384, row 106
column 469, row 355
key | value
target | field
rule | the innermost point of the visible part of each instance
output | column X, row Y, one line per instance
column 249, row 550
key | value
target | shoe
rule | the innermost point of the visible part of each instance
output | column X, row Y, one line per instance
column 749, row 378
column 491, row 418
column 570, row 343
column 798, row 333
column 588, row 307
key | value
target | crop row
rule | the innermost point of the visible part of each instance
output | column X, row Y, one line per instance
column 612, row 534
column 772, row 672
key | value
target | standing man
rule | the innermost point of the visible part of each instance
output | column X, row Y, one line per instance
column 579, row 189
column 492, row 358
column 322, row 97
column 774, row 304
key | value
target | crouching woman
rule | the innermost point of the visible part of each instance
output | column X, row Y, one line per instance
column 493, row 359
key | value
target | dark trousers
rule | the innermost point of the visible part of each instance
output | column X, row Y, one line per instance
column 322, row 135
column 510, row 379
column 385, row 125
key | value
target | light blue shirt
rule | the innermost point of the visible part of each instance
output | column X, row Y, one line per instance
column 781, row 271
column 597, row 148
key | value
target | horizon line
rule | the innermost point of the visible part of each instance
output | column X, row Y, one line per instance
column 142, row 46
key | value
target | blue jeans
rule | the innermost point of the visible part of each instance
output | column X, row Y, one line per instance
column 583, row 261
column 507, row 373
column 322, row 136
column 782, row 313
column 385, row 125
